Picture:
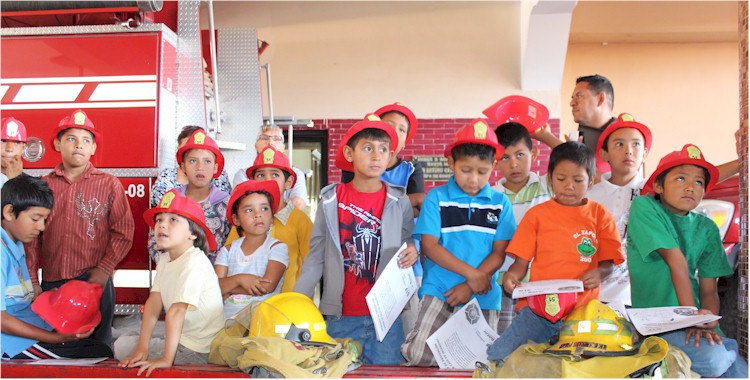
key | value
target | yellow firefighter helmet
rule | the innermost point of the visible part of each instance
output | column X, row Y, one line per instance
column 291, row 316
column 593, row 330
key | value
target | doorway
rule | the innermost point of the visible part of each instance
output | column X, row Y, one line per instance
column 309, row 154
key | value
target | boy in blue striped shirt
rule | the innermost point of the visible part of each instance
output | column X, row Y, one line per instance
column 463, row 227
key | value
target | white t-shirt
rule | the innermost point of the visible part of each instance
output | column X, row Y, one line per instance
column 255, row 263
column 191, row 279
column 617, row 199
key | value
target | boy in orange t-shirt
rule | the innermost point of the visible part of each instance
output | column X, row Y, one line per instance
column 567, row 237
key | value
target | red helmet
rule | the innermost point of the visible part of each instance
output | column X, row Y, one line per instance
column 183, row 206
column 270, row 157
column 553, row 307
column 200, row 140
column 476, row 132
column 269, row 186
column 14, row 130
column 625, row 120
column 72, row 308
column 519, row 109
column 78, row 119
column 370, row 121
column 689, row 155
column 398, row 107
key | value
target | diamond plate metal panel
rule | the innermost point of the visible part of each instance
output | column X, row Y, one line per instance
column 190, row 95
column 83, row 29
column 239, row 80
column 127, row 309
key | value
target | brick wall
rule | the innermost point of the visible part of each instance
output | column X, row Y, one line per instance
column 431, row 139
column 742, row 299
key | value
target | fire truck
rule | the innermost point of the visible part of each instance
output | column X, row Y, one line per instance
column 137, row 69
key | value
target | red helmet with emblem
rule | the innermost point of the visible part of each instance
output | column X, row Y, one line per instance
column 14, row 130
column 78, row 119
column 175, row 203
column 624, row 120
column 270, row 157
column 200, row 140
column 689, row 155
column 476, row 132
column 371, row 121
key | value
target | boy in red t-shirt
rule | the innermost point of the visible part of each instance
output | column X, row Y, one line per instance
column 567, row 237
column 358, row 228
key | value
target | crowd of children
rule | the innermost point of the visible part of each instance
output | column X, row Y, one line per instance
column 627, row 239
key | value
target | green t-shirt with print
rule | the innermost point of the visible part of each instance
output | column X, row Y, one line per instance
column 652, row 226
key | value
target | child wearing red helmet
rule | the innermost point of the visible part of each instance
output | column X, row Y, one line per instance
column 403, row 173
column 463, row 228
column 252, row 267
column 202, row 162
column 26, row 204
column 668, row 244
column 185, row 287
column 358, row 228
column 400, row 172
column 290, row 225
column 90, row 229
column 621, row 151
column 14, row 139
column 567, row 237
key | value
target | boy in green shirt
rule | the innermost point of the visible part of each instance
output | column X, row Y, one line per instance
column 668, row 244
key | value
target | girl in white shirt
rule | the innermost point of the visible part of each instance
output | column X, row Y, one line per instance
column 252, row 267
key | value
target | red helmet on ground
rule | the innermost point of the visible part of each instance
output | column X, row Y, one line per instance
column 183, row 206
column 689, row 155
column 476, row 132
column 200, row 140
column 625, row 120
column 370, row 121
column 78, row 119
column 519, row 109
column 269, row 186
column 14, row 130
column 270, row 157
column 72, row 308
column 398, row 107
column 553, row 307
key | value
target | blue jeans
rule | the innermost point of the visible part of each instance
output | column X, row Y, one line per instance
column 526, row 326
column 719, row 360
column 362, row 329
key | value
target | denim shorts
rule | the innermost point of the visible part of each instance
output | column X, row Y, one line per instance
column 362, row 329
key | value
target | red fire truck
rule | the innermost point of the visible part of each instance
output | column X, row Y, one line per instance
column 126, row 83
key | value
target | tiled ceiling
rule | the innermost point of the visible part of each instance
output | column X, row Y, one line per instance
column 654, row 21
